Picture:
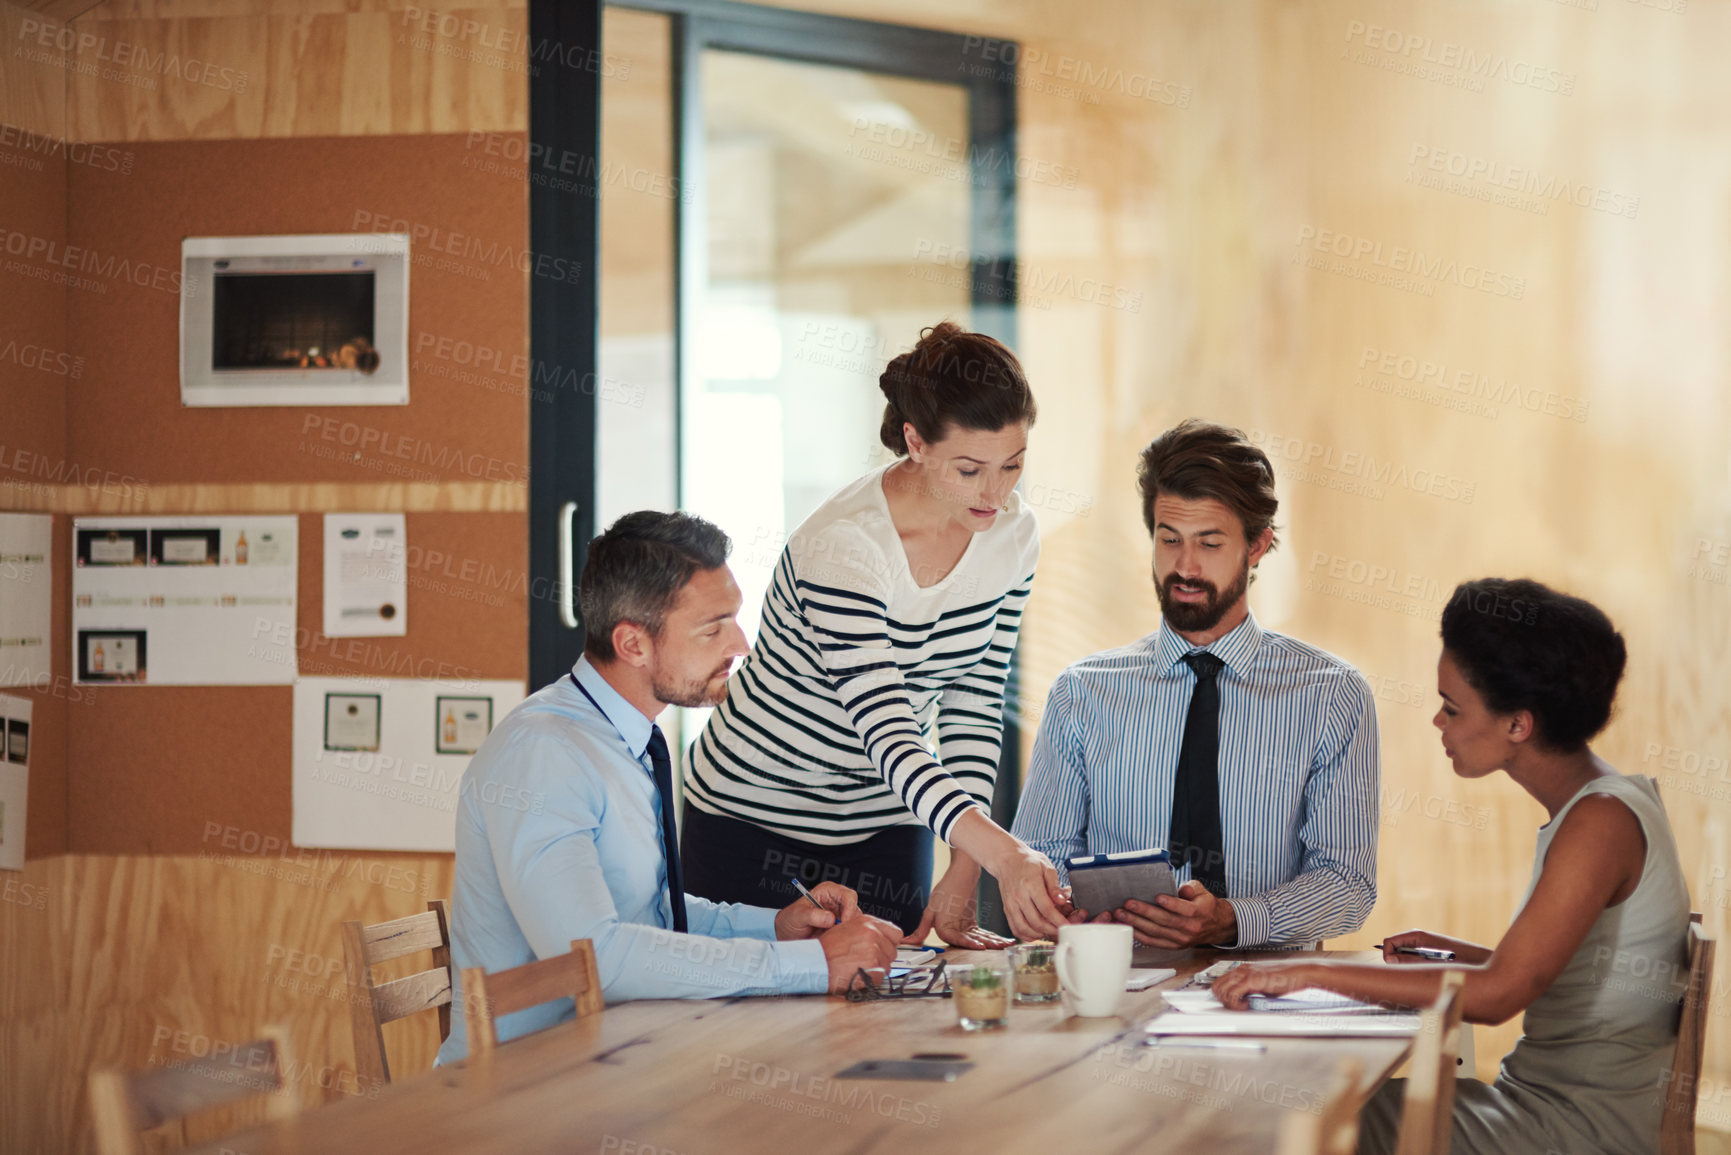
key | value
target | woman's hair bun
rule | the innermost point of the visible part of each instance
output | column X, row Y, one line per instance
column 952, row 377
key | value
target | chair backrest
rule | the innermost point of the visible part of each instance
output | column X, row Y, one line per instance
column 1427, row 1115
column 1677, row 1125
column 486, row 997
column 372, row 1006
column 1334, row 1129
column 123, row 1103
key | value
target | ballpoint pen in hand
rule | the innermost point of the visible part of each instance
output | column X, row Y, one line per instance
column 1425, row 952
column 800, row 886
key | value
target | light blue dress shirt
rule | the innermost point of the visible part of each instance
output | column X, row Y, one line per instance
column 1298, row 771
column 559, row 838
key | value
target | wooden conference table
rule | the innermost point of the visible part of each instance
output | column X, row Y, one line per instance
column 756, row 1075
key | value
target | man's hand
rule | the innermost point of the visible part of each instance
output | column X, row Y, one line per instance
column 1235, row 987
column 800, row 919
column 860, row 943
column 1194, row 918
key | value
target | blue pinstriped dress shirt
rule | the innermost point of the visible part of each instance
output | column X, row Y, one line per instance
column 1298, row 774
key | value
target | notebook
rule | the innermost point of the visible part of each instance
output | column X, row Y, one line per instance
column 1308, row 1013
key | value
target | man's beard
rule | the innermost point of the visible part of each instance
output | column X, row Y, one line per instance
column 1196, row 617
column 694, row 693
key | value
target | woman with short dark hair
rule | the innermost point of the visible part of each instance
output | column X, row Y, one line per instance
column 1596, row 957
column 890, row 620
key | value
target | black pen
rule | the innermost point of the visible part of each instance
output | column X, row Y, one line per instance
column 800, row 886
column 1427, row 952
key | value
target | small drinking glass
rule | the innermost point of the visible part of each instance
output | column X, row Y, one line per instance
column 1036, row 972
column 982, row 994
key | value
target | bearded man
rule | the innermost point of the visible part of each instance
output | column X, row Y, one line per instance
column 1249, row 755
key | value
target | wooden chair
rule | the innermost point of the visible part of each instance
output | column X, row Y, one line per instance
column 488, row 996
column 124, row 1103
column 1677, row 1125
column 370, row 1006
column 1333, row 1131
column 1427, row 1114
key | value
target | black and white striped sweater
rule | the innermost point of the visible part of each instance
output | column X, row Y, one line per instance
column 826, row 733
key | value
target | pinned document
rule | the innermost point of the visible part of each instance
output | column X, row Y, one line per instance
column 26, row 597
column 14, row 778
column 366, row 575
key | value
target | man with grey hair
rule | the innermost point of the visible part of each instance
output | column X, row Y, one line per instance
column 565, row 821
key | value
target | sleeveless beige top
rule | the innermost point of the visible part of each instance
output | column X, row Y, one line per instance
column 1594, row 1046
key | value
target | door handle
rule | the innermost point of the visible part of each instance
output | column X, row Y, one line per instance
column 567, row 584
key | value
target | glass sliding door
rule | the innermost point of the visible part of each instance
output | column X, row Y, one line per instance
column 784, row 201
column 636, row 402
column 814, row 227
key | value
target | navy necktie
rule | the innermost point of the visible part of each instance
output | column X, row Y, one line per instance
column 1194, row 834
column 663, row 764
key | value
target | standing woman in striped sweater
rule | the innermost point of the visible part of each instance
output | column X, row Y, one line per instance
column 890, row 619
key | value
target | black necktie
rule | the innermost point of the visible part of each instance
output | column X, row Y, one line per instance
column 1195, row 829
column 669, row 833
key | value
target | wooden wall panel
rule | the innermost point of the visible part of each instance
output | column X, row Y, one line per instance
column 467, row 293
column 188, row 9
column 1611, row 506
column 136, row 497
column 33, row 83
column 140, row 961
column 302, row 74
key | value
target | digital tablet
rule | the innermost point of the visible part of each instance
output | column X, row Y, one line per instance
column 1103, row 882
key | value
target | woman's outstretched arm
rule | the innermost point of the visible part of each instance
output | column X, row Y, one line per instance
column 1594, row 862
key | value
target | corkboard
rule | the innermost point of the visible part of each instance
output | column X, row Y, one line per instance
column 36, row 375
column 153, row 770
column 468, row 307
column 36, row 366
column 185, row 769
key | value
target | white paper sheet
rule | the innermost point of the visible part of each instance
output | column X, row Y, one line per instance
column 1221, row 1021
column 366, row 575
column 1309, row 1000
column 1142, row 978
column 1192, row 1001
column 14, row 778
column 26, row 598
column 1313, row 1001
column 184, row 601
column 402, row 793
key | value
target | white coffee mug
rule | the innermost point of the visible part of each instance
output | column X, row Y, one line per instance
column 1093, row 963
